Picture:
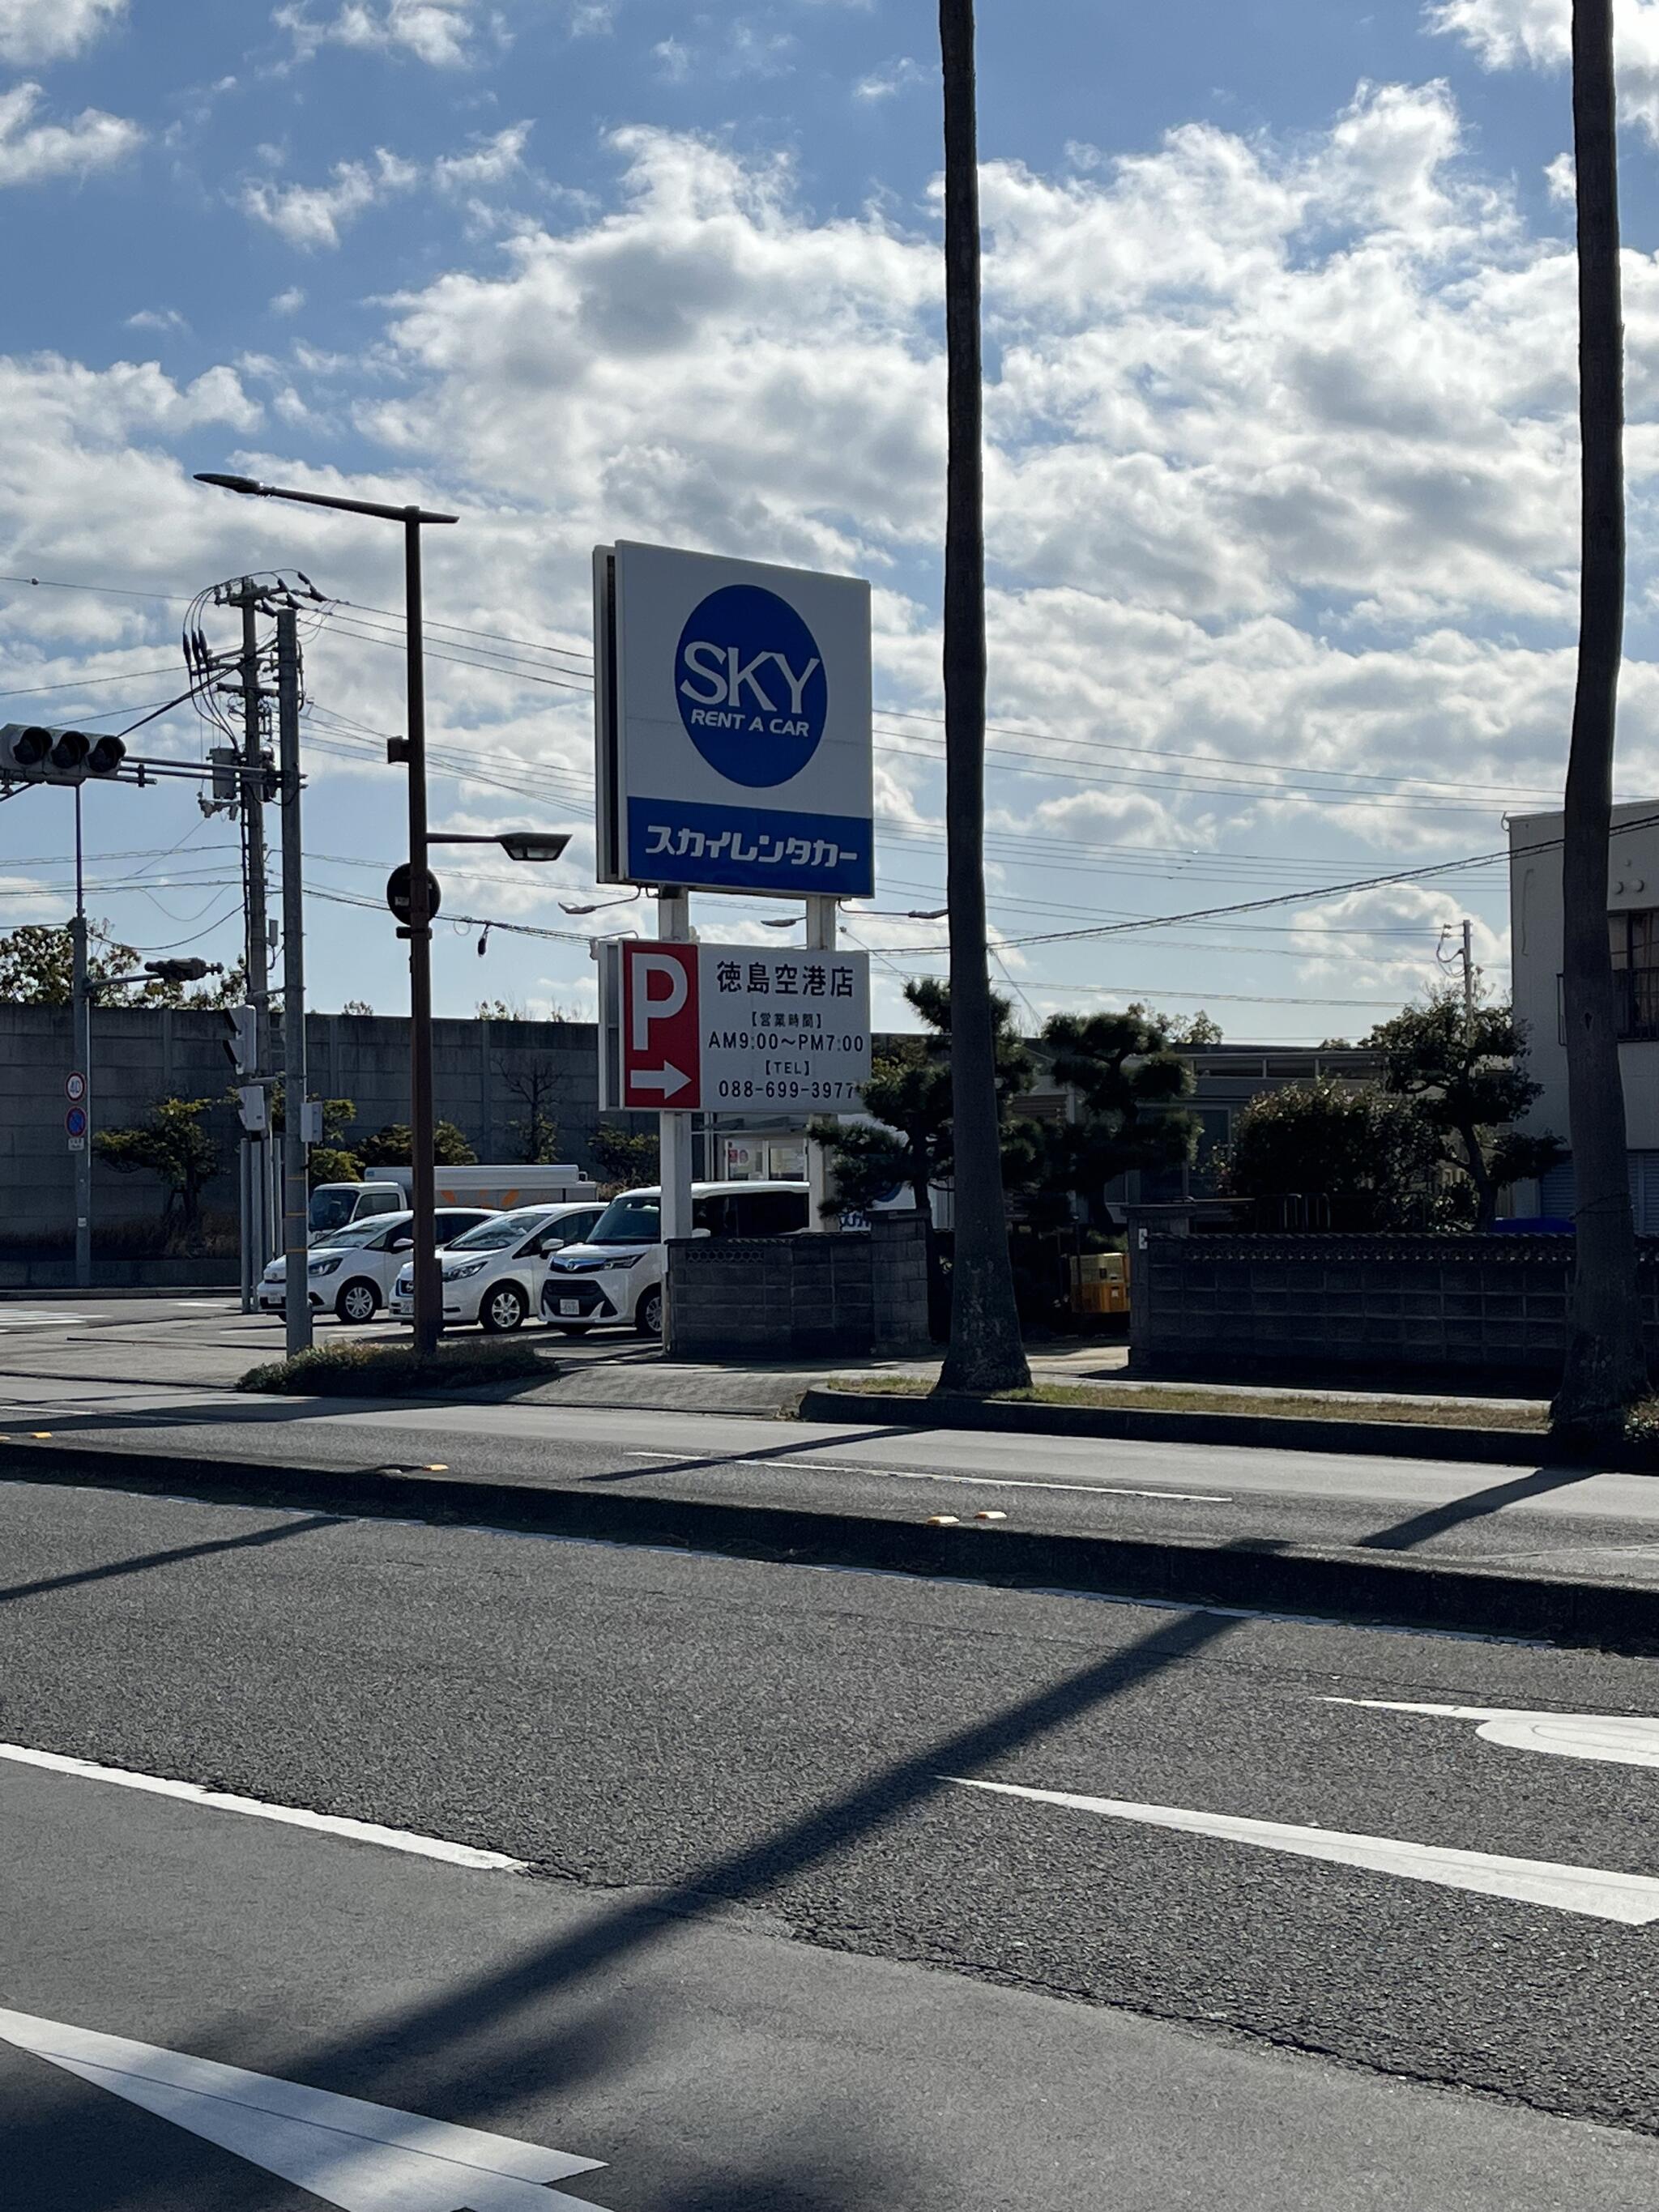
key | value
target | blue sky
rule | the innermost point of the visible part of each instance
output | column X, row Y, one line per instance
column 1281, row 490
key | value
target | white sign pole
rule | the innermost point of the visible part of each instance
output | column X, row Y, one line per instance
column 821, row 916
column 674, row 1145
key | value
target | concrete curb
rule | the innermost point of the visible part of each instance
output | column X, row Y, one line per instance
column 1268, row 1432
column 1346, row 1586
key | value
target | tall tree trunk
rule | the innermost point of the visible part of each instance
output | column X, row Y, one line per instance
column 984, row 1352
column 1605, row 1368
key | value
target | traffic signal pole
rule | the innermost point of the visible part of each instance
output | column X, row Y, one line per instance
column 80, row 1049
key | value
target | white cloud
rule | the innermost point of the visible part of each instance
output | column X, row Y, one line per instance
column 660, row 364
column 444, row 34
column 1385, row 943
column 492, row 162
column 312, row 216
column 898, row 76
column 1538, row 34
column 31, row 152
column 47, row 30
column 288, row 303
column 157, row 318
column 1281, row 461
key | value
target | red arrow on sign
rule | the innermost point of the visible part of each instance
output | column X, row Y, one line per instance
column 662, row 1057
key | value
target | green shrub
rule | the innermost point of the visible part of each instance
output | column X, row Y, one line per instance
column 356, row 1370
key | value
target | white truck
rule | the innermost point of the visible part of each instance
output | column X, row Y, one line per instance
column 390, row 1190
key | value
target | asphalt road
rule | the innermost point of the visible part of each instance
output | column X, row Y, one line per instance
column 1548, row 1519
column 799, row 1745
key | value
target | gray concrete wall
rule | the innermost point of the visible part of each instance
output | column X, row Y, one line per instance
column 141, row 1055
column 1457, row 1305
column 815, row 1296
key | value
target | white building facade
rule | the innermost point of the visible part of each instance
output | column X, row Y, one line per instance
column 1535, row 924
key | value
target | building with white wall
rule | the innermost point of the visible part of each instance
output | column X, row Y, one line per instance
column 1536, row 955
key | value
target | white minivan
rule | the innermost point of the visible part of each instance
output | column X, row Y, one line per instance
column 493, row 1275
column 615, row 1279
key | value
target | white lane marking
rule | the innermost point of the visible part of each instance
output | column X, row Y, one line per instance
column 930, row 1474
column 1600, row 1895
column 362, row 2157
column 293, row 1816
column 38, row 1317
column 1624, row 1740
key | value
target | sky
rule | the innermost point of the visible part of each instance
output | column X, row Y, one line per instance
column 1281, row 451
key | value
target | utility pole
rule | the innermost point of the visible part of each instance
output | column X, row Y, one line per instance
column 296, row 1303
column 256, row 1179
column 81, row 1051
column 1469, row 972
column 429, row 1286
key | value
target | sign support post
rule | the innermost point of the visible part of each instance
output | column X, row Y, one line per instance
column 674, row 1129
column 821, row 918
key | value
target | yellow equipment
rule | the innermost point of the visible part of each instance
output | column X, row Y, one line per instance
column 1100, row 1284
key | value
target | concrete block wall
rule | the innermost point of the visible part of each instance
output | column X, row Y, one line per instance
column 829, row 1297
column 1464, row 1305
column 141, row 1055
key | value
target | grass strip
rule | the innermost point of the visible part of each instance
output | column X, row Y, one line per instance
column 1173, row 1398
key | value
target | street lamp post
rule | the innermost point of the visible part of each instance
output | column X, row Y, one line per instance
column 428, row 1289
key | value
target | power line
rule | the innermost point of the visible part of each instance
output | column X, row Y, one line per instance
column 86, row 683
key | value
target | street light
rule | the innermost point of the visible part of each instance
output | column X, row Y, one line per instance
column 428, row 1289
column 516, row 844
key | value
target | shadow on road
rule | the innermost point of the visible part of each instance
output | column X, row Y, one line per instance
column 805, row 1443
column 146, row 1560
column 477, row 2052
column 1435, row 1519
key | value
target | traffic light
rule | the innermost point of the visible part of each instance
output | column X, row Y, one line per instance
column 36, row 753
column 178, row 971
column 241, row 1042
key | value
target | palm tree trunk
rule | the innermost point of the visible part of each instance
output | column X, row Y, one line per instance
column 984, row 1352
column 1605, row 1368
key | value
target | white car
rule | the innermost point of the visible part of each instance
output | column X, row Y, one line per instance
column 352, row 1269
column 493, row 1275
column 615, row 1277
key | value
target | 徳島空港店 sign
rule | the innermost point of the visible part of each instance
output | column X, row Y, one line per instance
column 721, row 1027
column 732, row 707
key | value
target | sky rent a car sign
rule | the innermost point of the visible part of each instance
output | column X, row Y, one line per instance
column 733, row 719
column 730, row 1027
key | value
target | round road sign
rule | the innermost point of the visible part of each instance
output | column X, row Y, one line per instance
column 75, row 1121
column 75, row 1089
column 397, row 885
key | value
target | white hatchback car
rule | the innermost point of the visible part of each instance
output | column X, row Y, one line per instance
column 616, row 1276
column 354, row 1268
column 493, row 1275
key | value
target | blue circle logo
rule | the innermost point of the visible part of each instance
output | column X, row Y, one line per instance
column 749, row 680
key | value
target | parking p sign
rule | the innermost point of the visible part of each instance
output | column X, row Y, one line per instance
column 739, row 1029
column 733, row 724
